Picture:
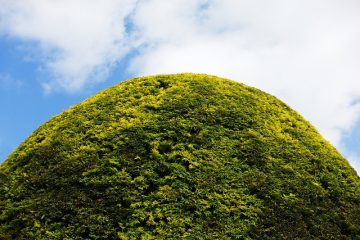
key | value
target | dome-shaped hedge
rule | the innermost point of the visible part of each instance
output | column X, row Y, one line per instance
column 178, row 156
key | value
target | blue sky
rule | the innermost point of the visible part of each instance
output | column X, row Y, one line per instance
column 54, row 54
column 24, row 105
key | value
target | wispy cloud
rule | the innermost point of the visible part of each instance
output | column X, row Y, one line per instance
column 7, row 82
column 78, row 41
column 305, row 52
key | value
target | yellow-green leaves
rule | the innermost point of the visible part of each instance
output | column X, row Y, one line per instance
column 184, row 156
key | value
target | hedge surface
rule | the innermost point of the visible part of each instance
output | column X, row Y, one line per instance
column 185, row 156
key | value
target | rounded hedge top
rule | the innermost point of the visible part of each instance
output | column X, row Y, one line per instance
column 178, row 156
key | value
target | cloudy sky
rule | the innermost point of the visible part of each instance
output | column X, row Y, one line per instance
column 56, row 53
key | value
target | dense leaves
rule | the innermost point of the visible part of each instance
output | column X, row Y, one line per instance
column 178, row 156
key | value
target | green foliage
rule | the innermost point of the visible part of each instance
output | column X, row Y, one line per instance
column 178, row 156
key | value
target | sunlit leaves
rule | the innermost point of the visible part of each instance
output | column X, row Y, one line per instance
column 178, row 156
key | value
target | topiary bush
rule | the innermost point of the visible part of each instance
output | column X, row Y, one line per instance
column 185, row 156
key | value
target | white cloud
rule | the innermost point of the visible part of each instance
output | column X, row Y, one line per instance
column 79, row 40
column 305, row 52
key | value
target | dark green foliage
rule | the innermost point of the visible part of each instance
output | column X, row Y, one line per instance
column 178, row 156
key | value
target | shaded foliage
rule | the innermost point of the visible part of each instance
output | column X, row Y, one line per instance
column 178, row 156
